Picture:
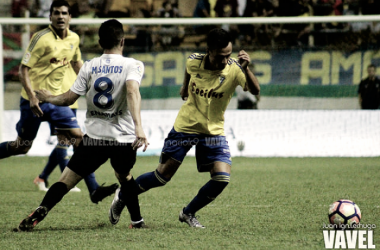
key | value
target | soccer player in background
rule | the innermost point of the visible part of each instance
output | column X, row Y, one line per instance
column 41, row 181
column 46, row 65
column 209, row 83
column 369, row 90
column 113, row 124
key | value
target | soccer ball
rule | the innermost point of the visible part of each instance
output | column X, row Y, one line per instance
column 344, row 214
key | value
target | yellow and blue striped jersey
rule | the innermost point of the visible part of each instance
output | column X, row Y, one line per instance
column 49, row 57
column 210, row 92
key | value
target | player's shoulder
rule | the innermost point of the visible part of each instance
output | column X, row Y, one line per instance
column 196, row 56
column 234, row 64
column 132, row 61
column 42, row 33
column 74, row 34
column 194, row 61
column 40, row 36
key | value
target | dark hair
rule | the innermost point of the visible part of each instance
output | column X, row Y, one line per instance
column 59, row 3
column 371, row 66
column 218, row 39
column 110, row 34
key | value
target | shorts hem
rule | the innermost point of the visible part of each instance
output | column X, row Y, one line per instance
column 171, row 157
column 214, row 162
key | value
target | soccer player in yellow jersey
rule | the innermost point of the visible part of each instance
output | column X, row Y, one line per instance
column 210, row 82
column 52, row 53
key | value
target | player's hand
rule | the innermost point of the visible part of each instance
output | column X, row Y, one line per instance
column 244, row 59
column 184, row 93
column 35, row 107
column 140, row 140
column 42, row 94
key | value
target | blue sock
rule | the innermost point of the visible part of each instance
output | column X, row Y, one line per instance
column 91, row 183
column 4, row 150
column 150, row 180
column 51, row 164
column 208, row 192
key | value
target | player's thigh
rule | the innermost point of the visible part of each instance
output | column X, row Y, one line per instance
column 65, row 122
column 88, row 157
column 28, row 125
column 70, row 136
column 169, row 168
column 53, row 130
column 219, row 166
column 176, row 146
column 122, row 157
column 211, row 150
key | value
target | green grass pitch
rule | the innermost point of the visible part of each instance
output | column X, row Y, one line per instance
column 270, row 203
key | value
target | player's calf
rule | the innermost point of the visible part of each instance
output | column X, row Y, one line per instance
column 208, row 192
column 17, row 147
column 150, row 180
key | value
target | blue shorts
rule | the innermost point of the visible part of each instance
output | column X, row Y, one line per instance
column 208, row 148
column 53, row 130
column 61, row 117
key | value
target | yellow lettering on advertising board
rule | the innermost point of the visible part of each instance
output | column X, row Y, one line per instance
column 323, row 72
column 263, row 71
column 338, row 59
column 176, row 72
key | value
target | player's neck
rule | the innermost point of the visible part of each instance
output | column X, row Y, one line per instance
column 61, row 33
column 114, row 51
column 208, row 64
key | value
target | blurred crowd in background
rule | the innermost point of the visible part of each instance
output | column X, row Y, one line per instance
column 349, row 36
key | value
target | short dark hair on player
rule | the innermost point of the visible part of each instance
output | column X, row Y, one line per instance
column 59, row 3
column 110, row 34
column 218, row 39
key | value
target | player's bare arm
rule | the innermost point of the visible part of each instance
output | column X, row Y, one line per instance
column 25, row 81
column 184, row 89
column 65, row 99
column 251, row 80
column 134, row 106
column 76, row 66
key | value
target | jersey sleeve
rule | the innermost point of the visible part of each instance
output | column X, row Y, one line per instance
column 35, row 51
column 193, row 62
column 136, row 71
column 80, row 85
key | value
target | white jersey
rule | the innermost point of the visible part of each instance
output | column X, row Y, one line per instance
column 103, row 81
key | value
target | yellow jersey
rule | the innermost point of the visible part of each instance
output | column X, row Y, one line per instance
column 67, row 82
column 49, row 57
column 210, row 92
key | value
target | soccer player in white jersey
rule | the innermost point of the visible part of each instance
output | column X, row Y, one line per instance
column 113, row 124
column 210, row 82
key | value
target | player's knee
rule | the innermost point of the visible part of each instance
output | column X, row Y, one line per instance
column 19, row 149
column 219, row 181
column 221, row 177
column 161, row 178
